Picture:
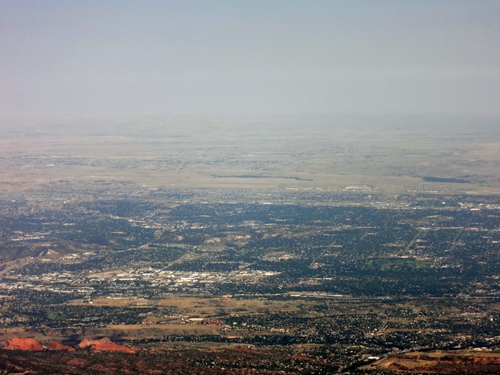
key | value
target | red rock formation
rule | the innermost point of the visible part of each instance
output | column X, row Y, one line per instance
column 57, row 346
column 78, row 362
column 104, row 345
column 24, row 344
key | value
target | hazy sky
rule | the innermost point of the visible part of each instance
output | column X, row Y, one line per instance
column 126, row 58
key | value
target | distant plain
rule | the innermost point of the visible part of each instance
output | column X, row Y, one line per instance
column 395, row 155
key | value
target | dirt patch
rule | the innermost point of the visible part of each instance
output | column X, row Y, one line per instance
column 475, row 362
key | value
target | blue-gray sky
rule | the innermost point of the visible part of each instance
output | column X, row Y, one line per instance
column 73, row 59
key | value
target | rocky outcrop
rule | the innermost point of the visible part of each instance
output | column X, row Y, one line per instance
column 24, row 344
column 104, row 345
column 57, row 346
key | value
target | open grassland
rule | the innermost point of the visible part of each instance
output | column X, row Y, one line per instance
column 263, row 155
column 206, row 307
column 202, row 307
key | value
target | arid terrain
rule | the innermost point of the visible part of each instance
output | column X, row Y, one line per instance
column 395, row 154
column 459, row 362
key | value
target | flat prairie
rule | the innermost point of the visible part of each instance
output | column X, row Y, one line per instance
column 370, row 155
